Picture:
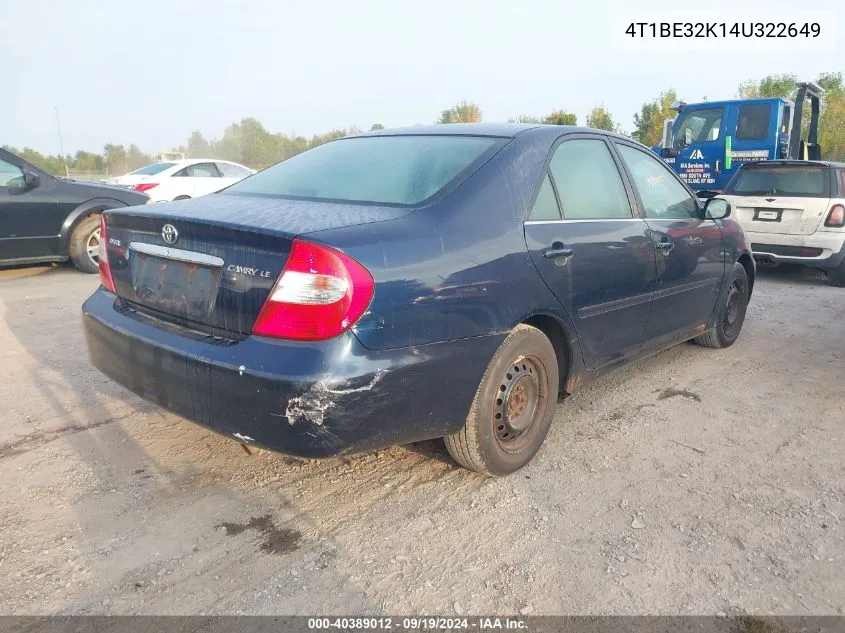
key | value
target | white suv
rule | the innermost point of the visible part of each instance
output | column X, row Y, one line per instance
column 793, row 212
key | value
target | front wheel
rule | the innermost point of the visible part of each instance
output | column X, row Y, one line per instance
column 732, row 313
column 513, row 407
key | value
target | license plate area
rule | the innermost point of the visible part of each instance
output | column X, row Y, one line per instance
column 174, row 283
column 768, row 215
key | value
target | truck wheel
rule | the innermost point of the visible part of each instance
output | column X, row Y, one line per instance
column 731, row 315
column 836, row 276
column 513, row 407
column 85, row 244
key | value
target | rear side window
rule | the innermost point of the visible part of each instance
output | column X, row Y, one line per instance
column 780, row 180
column 232, row 171
column 200, row 170
column 663, row 197
column 753, row 122
column 403, row 170
column 545, row 207
column 151, row 170
column 588, row 182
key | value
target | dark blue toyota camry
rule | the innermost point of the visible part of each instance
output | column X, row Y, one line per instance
column 448, row 281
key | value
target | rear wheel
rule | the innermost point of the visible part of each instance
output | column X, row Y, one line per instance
column 732, row 314
column 513, row 407
column 85, row 245
column 836, row 276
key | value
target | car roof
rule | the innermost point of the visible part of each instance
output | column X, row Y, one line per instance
column 193, row 161
column 796, row 163
column 507, row 130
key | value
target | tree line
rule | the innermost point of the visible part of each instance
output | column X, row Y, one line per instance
column 250, row 143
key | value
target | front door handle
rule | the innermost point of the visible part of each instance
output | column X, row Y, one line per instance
column 557, row 251
column 664, row 247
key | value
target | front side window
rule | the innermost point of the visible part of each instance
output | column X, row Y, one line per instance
column 588, row 182
column 753, row 122
column 698, row 126
column 403, row 170
column 10, row 175
column 663, row 197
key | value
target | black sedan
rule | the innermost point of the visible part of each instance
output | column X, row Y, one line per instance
column 448, row 281
column 48, row 219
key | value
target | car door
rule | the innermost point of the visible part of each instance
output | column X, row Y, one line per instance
column 689, row 248
column 591, row 250
column 30, row 218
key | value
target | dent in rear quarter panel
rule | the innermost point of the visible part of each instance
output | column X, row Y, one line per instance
column 459, row 268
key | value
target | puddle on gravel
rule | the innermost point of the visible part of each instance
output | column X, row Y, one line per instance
column 275, row 540
column 674, row 393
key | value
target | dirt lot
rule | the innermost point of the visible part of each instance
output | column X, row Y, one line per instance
column 697, row 481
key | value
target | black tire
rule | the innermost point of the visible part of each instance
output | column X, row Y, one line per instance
column 524, row 370
column 836, row 276
column 731, row 313
column 85, row 236
column 181, row 198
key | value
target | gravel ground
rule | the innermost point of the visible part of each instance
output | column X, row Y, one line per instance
column 698, row 481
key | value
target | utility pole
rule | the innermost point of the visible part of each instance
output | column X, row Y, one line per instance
column 61, row 144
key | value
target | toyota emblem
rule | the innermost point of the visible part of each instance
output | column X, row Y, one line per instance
column 169, row 233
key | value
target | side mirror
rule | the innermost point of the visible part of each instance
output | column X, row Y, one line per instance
column 717, row 209
column 669, row 152
column 31, row 180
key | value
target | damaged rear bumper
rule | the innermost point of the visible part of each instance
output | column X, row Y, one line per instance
column 306, row 399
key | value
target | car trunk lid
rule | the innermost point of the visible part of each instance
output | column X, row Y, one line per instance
column 209, row 264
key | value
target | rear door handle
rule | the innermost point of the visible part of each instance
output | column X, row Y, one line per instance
column 557, row 251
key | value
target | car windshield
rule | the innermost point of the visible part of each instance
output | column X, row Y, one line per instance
column 402, row 170
column 780, row 180
column 150, row 170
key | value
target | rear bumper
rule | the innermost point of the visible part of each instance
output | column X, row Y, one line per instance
column 787, row 249
column 305, row 399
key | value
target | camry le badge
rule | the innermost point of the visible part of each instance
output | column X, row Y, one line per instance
column 169, row 233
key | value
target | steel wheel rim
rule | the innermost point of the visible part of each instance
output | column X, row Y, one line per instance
column 734, row 308
column 518, row 403
column 92, row 246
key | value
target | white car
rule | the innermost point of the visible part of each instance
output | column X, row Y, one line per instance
column 183, row 179
column 793, row 211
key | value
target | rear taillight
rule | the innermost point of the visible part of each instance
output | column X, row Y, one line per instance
column 321, row 293
column 145, row 186
column 103, row 258
column 836, row 217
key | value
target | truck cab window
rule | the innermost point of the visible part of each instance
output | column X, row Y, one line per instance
column 698, row 126
column 753, row 122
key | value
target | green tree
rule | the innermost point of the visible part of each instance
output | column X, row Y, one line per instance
column 648, row 122
column 376, row 126
column 135, row 158
column 114, row 157
column 462, row 112
column 769, row 87
column 561, row 117
column 600, row 119
column 527, row 118
column 198, row 147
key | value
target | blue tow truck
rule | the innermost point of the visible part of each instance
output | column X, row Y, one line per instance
column 707, row 142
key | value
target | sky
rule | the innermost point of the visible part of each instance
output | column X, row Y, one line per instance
column 151, row 72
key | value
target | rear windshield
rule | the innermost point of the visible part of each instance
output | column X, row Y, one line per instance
column 149, row 170
column 403, row 170
column 774, row 180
